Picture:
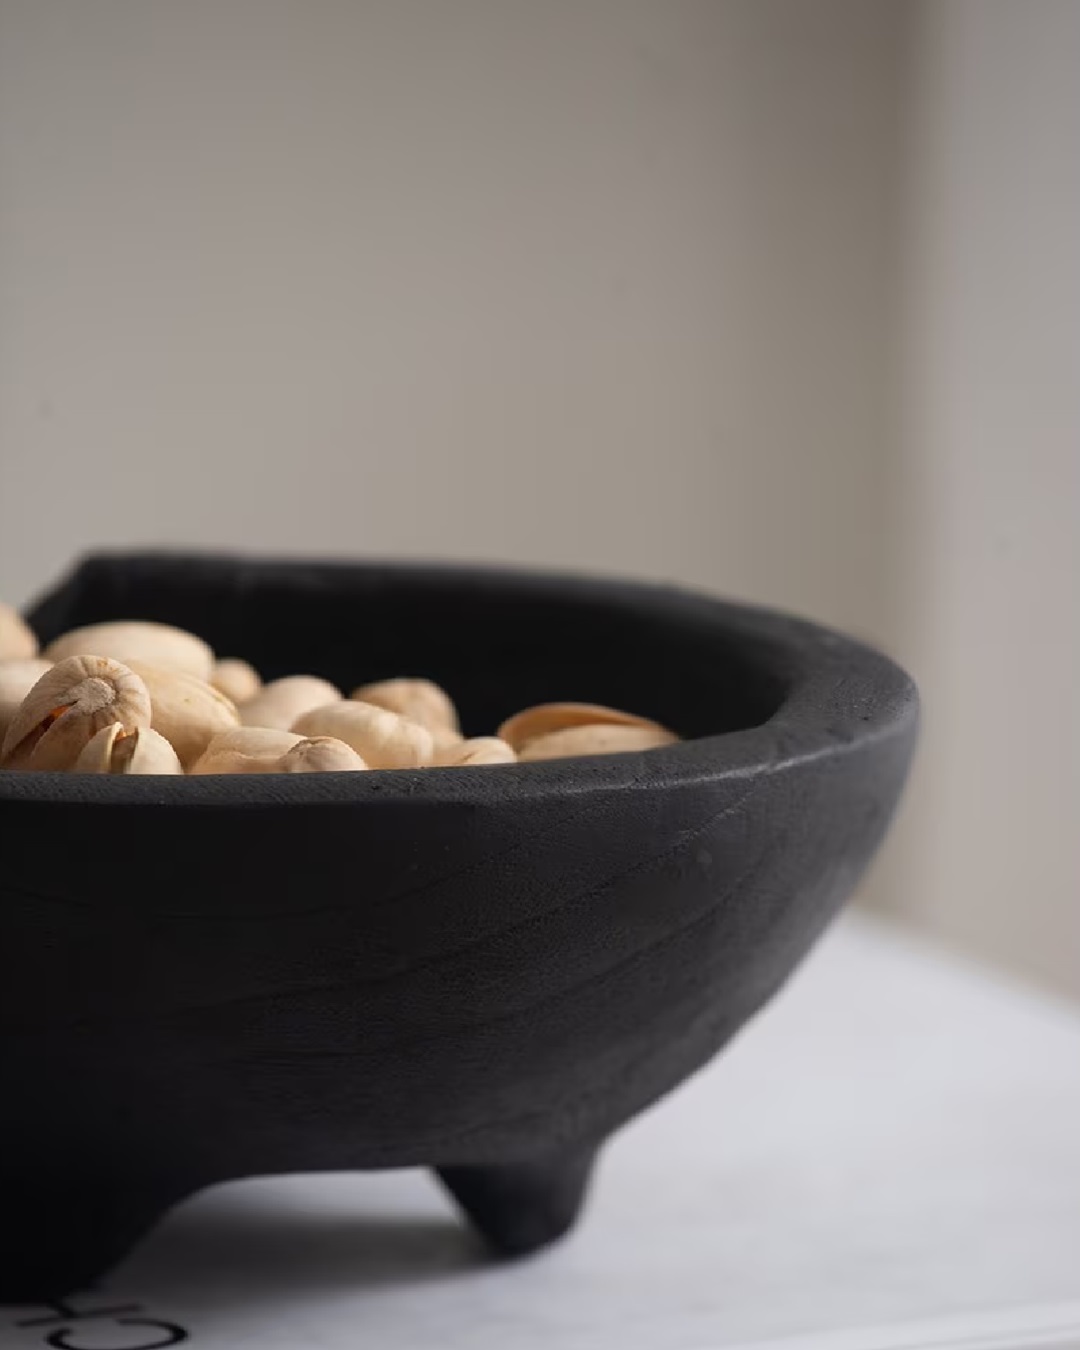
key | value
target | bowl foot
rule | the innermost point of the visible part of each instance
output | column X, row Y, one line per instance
column 62, row 1234
column 519, row 1209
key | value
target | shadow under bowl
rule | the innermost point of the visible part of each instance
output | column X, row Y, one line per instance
column 485, row 971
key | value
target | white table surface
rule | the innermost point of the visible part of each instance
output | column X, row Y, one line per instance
column 889, row 1158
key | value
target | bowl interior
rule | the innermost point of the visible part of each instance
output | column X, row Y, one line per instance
column 497, row 641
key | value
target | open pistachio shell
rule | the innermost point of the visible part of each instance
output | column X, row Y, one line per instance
column 114, row 751
column 66, row 708
column 594, row 740
column 545, row 718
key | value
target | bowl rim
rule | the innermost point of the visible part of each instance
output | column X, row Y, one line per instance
column 840, row 694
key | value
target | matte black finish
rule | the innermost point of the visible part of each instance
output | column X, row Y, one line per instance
column 486, row 971
column 520, row 1208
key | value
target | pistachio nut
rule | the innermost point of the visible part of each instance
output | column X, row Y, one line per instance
column 158, row 644
column 187, row 711
column 114, row 751
column 321, row 754
column 265, row 750
column 236, row 679
column 478, row 750
column 18, row 641
column 17, row 678
column 382, row 739
column 445, row 741
column 606, row 739
column 67, row 706
column 245, row 750
column 420, row 700
column 279, row 703
column 545, row 718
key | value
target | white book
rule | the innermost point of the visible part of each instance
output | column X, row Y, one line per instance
column 888, row 1159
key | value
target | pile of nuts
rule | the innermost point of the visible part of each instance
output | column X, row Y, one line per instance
column 147, row 698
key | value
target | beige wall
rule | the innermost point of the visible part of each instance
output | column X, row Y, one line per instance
column 595, row 282
column 990, row 853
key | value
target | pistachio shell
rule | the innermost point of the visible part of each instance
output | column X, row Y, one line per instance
column 264, row 750
column 279, row 703
column 479, row 750
column 236, row 680
column 321, row 754
column 114, row 751
column 145, row 751
column 445, row 741
column 420, row 700
column 594, row 740
column 67, row 706
column 18, row 641
column 7, row 712
column 253, row 740
column 188, row 712
column 245, row 750
column 17, row 678
column 544, row 718
column 382, row 739
column 96, row 755
column 158, row 644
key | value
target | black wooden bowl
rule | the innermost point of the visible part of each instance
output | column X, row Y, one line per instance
column 485, row 971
